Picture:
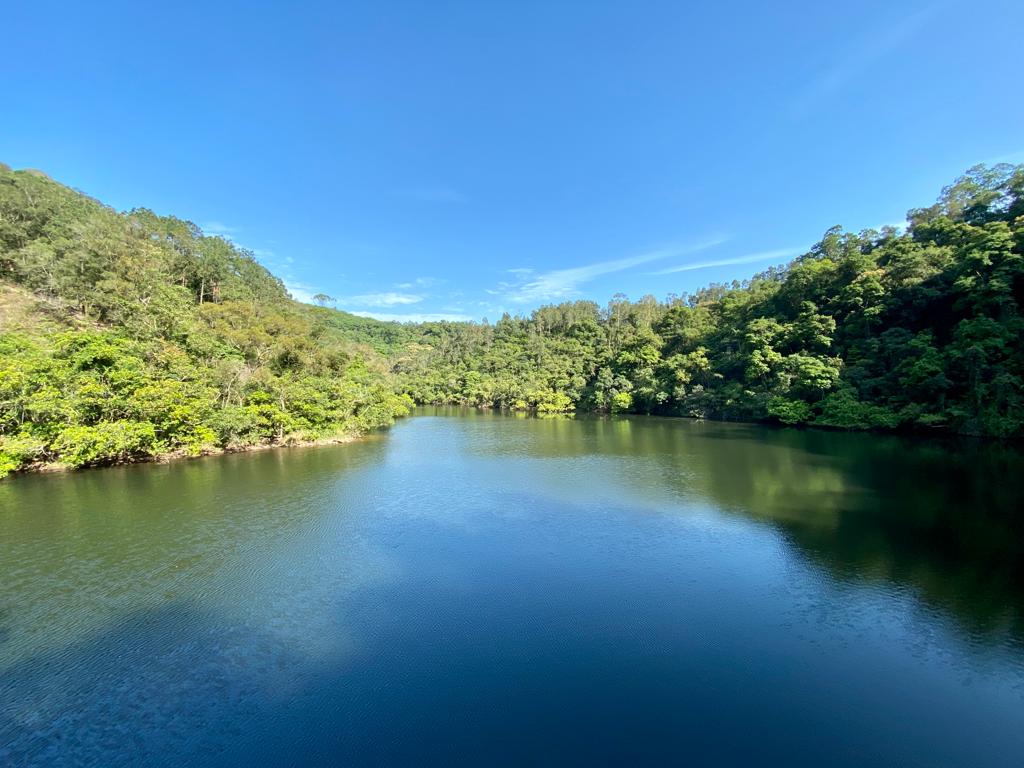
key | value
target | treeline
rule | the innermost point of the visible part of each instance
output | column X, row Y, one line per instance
column 124, row 336
column 128, row 335
column 877, row 330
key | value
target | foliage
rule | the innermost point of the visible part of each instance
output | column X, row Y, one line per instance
column 149, row 337
column 876, row 330
column 128, row 335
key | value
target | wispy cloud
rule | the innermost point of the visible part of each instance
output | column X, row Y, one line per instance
column 565, row 283
column 878, row 45
column 269, row 258
column 218, row 228
column 432, row 193
column 420, row 282
column 282, row 268
column 385, row 299
column 301, row 291
column 750, row 258
column 415, row 317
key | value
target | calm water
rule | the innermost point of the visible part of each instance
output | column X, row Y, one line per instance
column 512, row 590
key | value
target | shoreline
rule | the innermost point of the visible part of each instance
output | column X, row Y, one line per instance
column 937, row 436
column 54, row 468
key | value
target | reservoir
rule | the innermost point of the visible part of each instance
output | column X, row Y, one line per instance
column 492, row 589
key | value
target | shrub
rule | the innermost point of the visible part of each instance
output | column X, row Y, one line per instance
column 104, row 443
column 790, row 411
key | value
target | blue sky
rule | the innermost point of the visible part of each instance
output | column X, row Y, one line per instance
column 427, row 159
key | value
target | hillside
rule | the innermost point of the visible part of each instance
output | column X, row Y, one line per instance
column 916, row 330
column 130, row 335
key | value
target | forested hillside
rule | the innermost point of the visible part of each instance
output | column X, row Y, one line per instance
column 887, row 330
column 129, row 335
column 124, row 336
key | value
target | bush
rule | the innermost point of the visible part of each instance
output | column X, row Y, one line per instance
column 621, row 402
column 18, row 450
column 549, row 401
column 790, row 411
column 843, row 409
column 234, row 425
column 105, row 443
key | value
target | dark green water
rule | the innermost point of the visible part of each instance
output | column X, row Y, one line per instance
column 490, row 589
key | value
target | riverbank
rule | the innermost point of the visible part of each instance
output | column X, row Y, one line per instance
column 935, row 432
column 55, row 467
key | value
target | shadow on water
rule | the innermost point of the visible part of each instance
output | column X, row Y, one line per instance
column 943, row 518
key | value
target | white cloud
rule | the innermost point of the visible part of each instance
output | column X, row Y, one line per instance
column 385, row 299
column 300, row 291
column 565, row 283
column 419, row 282
column 750, row 258
column 562, row 283
column 416, row 317
column 280, row 266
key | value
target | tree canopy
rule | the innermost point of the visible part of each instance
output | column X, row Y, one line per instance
column 873, row 330
column 129, row 335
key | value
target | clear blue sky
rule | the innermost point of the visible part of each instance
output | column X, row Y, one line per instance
column 460, row 159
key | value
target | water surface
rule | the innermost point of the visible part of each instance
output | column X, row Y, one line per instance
column 509, row 590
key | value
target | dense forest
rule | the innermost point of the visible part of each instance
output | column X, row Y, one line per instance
column 878, row 330
column 130, row 335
